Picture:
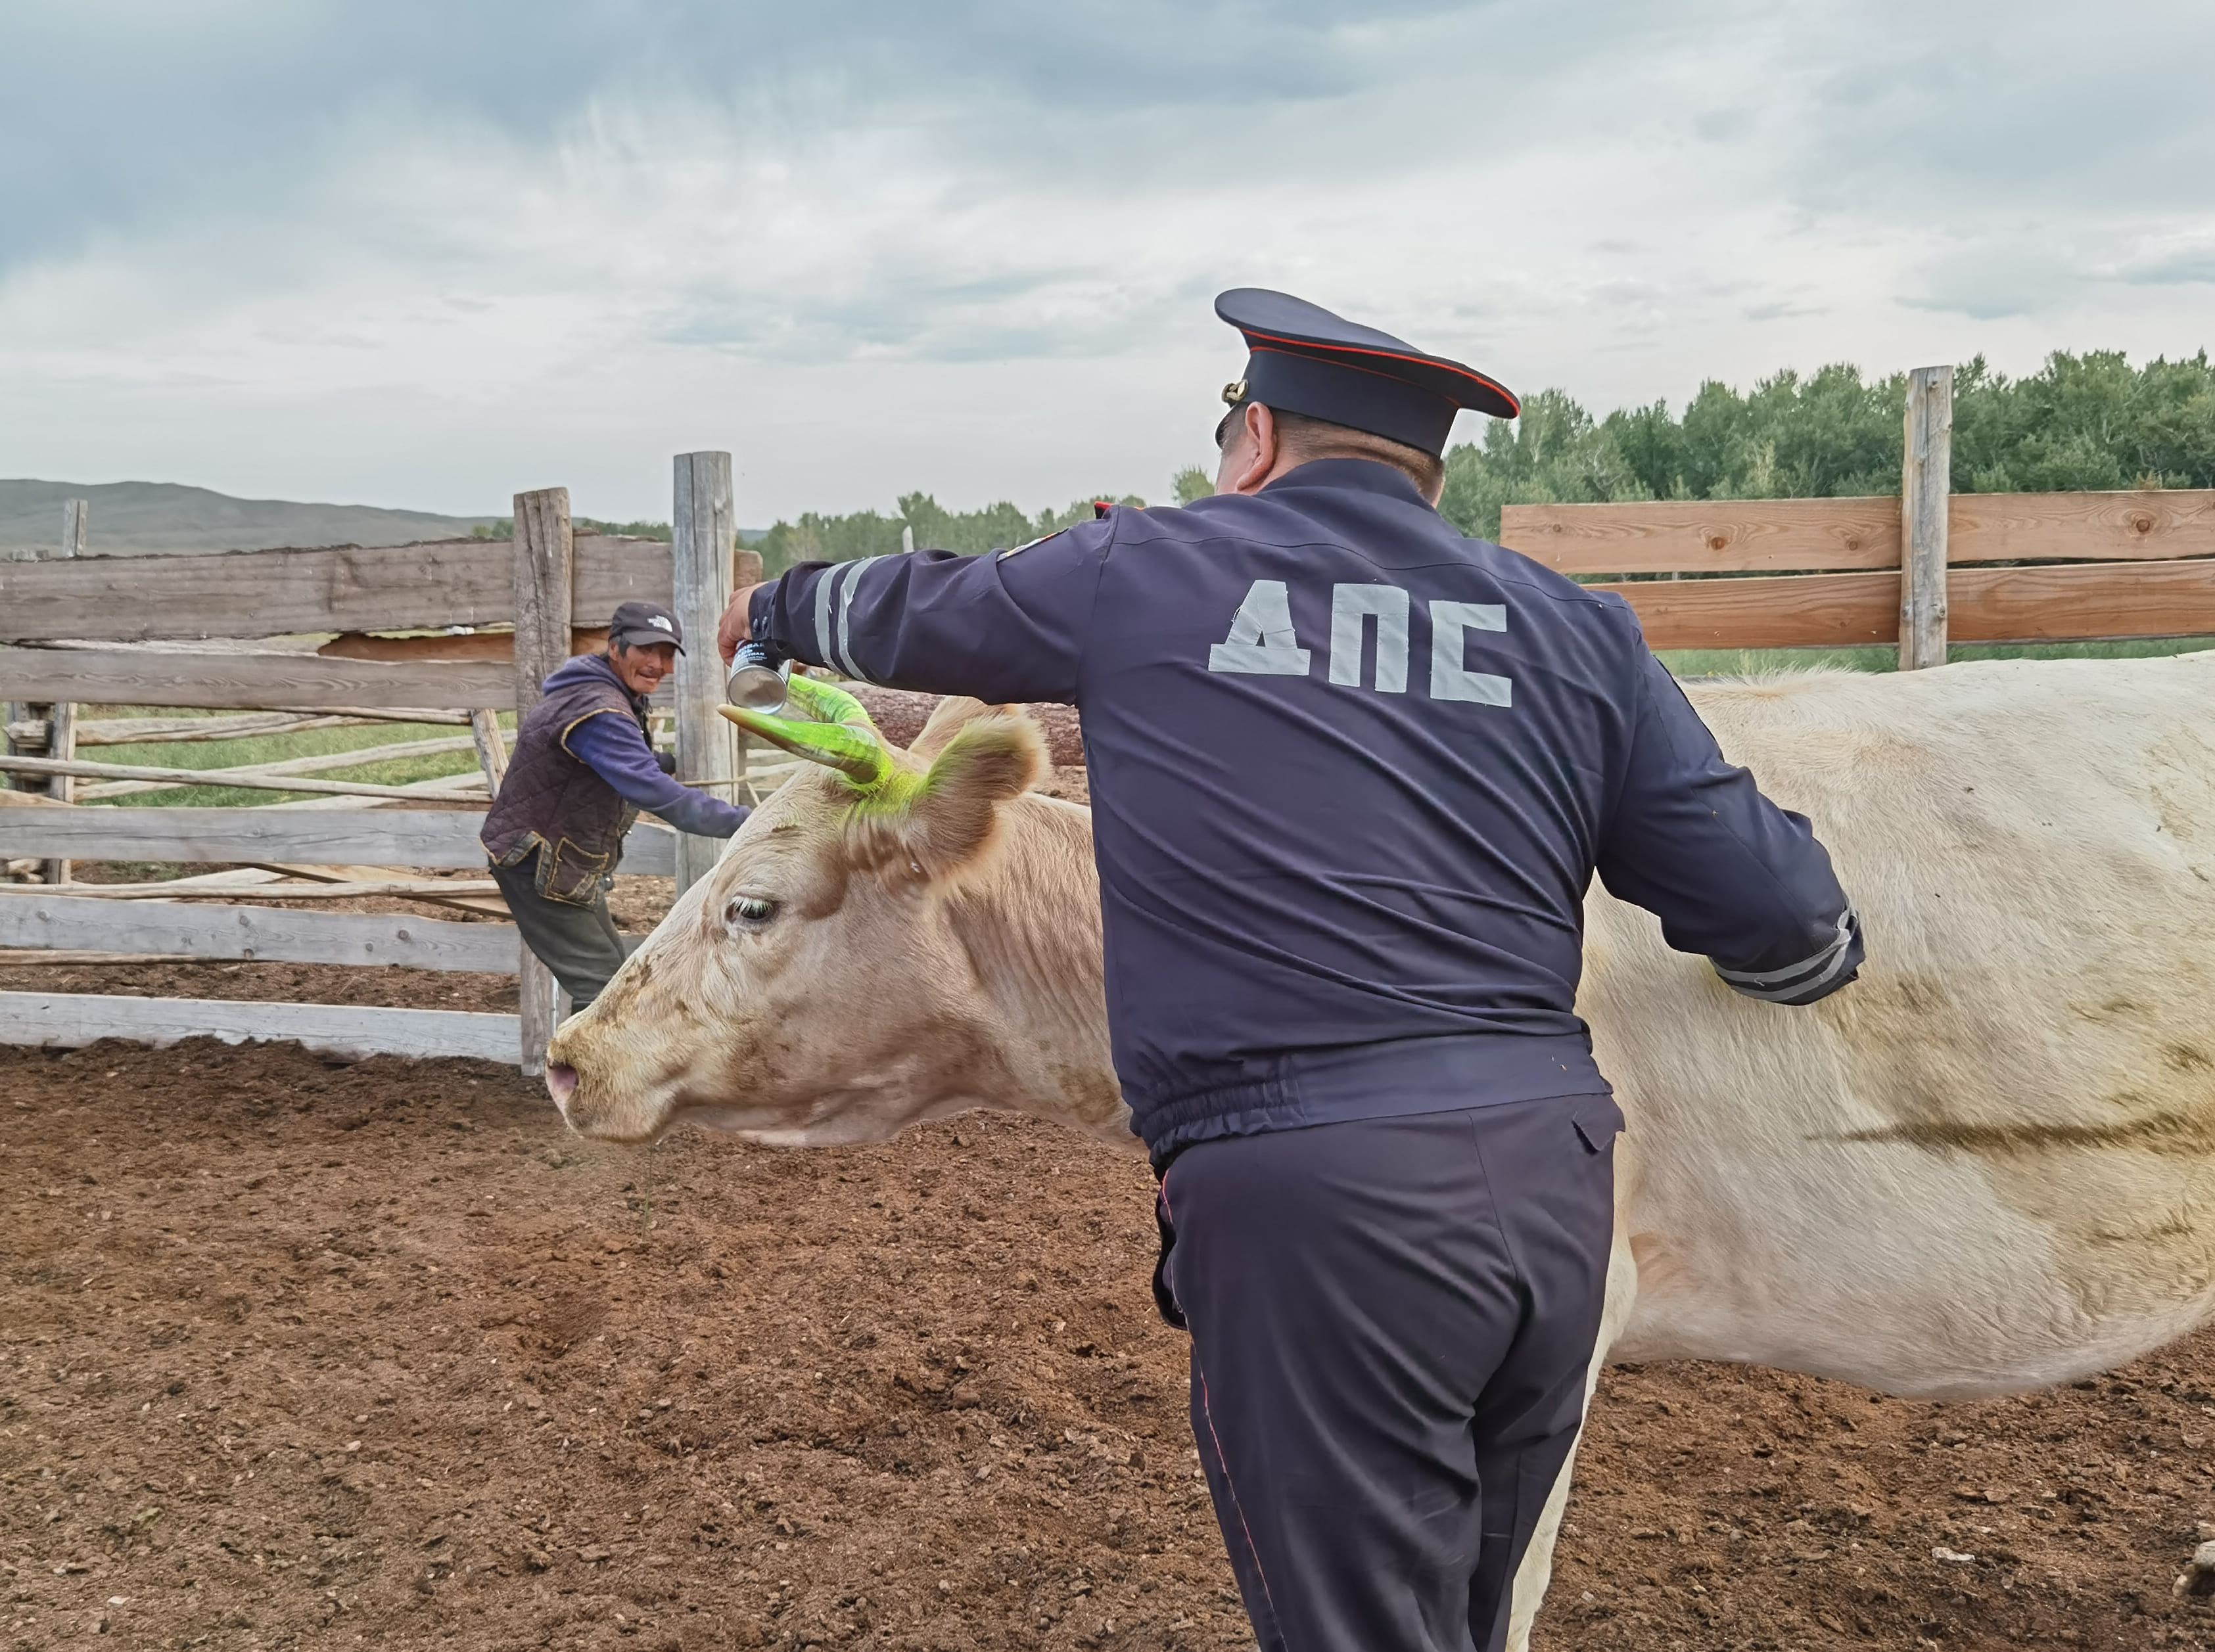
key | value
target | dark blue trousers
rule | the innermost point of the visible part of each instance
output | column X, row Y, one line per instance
column 1391, row 1323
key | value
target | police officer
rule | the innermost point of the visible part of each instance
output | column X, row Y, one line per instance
column 583, row 767
column 1351, row 775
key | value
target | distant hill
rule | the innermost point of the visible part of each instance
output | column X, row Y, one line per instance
column 162, row 518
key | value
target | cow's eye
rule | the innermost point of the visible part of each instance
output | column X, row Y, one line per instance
column 749, row 912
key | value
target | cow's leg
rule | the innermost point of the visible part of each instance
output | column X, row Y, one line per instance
column 1537, row 1571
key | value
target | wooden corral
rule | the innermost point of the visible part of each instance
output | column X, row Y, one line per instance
column 135, row 631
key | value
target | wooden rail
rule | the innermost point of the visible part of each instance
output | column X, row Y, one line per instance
column 1815, row 535
column 441, row 838
column 267, row 934
column 425, row 586
column 247, row 780
column 138, row 677
column 2064, row 603
column 64, row 1020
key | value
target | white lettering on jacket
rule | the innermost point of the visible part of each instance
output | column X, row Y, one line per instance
column 1262, row 642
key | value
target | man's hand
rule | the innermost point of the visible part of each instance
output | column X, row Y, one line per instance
column 736, row 625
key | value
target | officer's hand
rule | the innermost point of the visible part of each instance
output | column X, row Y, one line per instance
column 736, row 625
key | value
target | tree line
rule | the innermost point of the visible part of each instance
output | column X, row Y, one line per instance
column 2080, row 422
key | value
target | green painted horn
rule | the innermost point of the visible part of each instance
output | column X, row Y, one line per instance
column 837, row 733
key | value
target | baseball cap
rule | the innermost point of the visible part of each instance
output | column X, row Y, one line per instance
column 634, row 623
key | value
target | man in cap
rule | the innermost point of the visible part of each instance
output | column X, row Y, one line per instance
column 1351, row 776
column 582, row 768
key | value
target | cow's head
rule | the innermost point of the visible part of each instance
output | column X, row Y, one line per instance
column 825, row 983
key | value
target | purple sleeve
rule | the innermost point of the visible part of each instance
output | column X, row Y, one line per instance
column 612, row 747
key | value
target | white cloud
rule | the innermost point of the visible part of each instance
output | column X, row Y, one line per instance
column 428, row 256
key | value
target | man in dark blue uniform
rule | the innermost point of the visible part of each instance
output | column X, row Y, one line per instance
column 1351, row 776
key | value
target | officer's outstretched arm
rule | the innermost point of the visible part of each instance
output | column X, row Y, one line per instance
column 1730, row 874
column 1006, row 627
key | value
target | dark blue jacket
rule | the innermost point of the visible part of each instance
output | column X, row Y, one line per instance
column 1351, row 776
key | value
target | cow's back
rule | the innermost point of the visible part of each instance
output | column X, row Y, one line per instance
column 1991, row 1162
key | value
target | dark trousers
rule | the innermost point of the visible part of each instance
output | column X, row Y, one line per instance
column 579, row 944
column 1392, row 1325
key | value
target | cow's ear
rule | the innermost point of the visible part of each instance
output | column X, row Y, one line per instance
column 947, row 718
column 949, row 822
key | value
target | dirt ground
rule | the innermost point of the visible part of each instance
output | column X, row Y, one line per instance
column 299, row 1353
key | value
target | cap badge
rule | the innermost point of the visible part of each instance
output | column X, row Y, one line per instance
column 659, row 623
column 1235, row 392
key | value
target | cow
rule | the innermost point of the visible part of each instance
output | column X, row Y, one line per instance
column 1987, row 1167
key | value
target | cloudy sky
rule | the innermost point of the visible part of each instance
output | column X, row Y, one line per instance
column 425, row 256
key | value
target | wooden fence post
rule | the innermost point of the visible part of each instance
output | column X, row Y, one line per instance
column 544, row 559
column 491, row 749
column 1925, row 491
column 61, row 725
column 709, row 753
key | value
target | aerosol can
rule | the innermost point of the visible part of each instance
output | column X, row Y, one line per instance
column 759, row 672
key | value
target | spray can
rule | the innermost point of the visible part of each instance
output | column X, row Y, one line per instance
column 759, row 672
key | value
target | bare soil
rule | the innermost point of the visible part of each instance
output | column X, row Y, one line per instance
column 297, row 1354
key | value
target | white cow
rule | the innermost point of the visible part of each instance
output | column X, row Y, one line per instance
column 1987, row 1165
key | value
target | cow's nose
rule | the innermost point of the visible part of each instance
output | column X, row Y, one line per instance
column 560, row 1084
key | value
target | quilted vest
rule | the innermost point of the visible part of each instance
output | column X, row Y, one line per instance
column 555, row 803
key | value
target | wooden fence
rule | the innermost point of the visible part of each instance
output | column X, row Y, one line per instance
column 121, row 631
column 1914, row 569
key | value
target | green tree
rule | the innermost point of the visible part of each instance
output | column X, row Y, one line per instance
column 1192, row 483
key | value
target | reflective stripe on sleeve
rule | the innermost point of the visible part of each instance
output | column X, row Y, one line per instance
column 849, row 584
column 1775, row 986
column 824, row 582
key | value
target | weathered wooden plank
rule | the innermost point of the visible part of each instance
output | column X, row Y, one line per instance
column 245, row 778
column 1925, row 483
column 285, row 593
column 1802, row 611
column 1707, row 535
column 2077, row 602
column 61, row 1020
column 294, row 681
column 61, row 728
column 475, row 645
column 265, row 933
column 443, row 839
column 544, row 562
column 2149, row 524
column 491, row 749
column 428, row 891
column 2063, row 603
column 1785, row 535
column 188, row 889
column 704, row 534
column 399, row 837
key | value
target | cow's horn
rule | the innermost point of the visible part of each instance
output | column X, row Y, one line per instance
column 838, row 735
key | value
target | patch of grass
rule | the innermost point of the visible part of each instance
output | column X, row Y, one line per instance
column 274, row 748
